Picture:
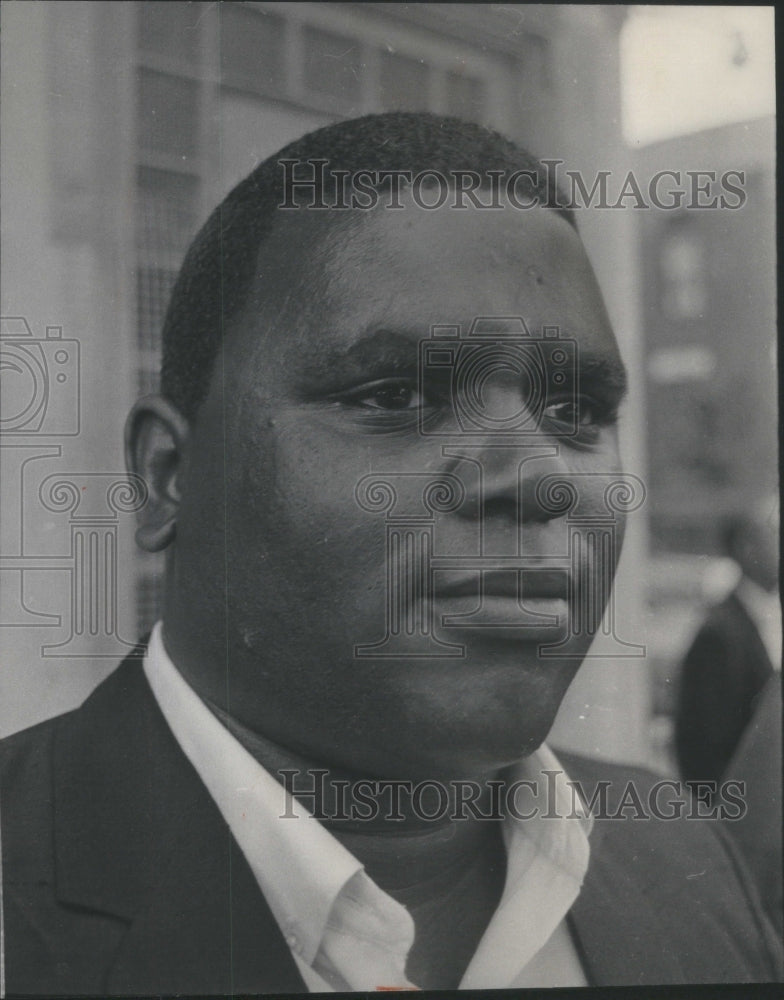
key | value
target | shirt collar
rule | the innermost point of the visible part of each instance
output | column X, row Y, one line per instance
column 562, row 822
column 302, row 869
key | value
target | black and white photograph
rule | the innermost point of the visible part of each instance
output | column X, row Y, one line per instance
column 389, row 548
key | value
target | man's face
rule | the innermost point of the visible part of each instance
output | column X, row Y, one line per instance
column 280, row 561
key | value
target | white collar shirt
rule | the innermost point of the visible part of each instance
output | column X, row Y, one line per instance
column 345, row 933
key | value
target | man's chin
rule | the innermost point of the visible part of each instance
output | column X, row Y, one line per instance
column 476, row 757
column 467, row 737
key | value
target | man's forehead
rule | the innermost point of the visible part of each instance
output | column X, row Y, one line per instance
column 349, row 275
column 503, row 228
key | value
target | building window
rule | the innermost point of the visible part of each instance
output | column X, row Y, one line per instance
column 153, row 289
column 332, row 65
column 252, row 49
column 405, row 83
column 149, row 595
column 465, row 96
column 169, row 29
column 683, row 274
column 166, row 206
column 168, row 114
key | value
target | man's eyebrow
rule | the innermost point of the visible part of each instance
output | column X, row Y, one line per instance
column 372, row 353
column 378, row 352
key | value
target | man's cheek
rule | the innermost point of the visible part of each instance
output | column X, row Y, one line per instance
column 311, row 530
column 335, row 562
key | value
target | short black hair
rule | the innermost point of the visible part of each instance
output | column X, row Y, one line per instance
column 217, row 274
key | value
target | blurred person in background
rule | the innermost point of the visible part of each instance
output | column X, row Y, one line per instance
column 734, row 654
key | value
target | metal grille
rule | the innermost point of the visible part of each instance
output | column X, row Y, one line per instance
column 149, row 602
column 166, row 205
column 153, row 288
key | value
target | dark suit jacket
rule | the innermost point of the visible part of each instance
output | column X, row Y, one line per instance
column 758, row 764
column 121, row 877
column 722, row 676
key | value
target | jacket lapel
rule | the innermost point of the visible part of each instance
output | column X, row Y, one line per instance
column 206, row 927
column 138, row 837
column 621, row 938
column 620, row 931
column 757, row 659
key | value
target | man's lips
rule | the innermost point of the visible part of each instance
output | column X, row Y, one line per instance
column 511, row 583
column 521, row 605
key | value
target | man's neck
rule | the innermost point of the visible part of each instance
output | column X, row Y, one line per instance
column 391, row 821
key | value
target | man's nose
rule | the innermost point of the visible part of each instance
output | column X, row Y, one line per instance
column 506, row 465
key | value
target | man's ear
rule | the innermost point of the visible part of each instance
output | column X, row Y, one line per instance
column 156, row 435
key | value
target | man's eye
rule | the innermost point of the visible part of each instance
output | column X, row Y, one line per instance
column 584, row 414
column 573, row 411
column 388, row 395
